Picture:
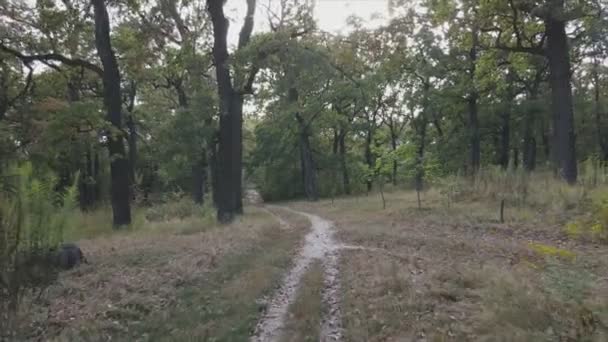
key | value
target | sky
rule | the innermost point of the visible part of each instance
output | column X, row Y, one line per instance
column 331, row 15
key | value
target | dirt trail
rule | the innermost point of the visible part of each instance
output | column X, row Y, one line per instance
column 319, row 244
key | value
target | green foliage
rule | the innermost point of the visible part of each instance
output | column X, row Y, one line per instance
column 33, row 215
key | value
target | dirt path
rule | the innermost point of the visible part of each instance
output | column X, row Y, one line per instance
column 319, row 244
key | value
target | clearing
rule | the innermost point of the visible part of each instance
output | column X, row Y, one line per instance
column 345, row 270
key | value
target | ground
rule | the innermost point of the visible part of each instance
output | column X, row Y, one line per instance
column 442, row 272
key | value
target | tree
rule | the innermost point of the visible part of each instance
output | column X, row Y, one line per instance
column 231, row 96
column 465, row 43
column 119, row 164
column 539, row 27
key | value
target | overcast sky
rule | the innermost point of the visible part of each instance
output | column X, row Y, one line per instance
column 331, row 15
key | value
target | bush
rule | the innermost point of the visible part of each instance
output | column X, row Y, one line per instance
column 32, row 218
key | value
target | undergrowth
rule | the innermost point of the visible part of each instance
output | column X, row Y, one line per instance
column 33, row 216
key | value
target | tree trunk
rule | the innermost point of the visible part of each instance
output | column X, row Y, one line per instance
column 564, row 153
column 198, row 181
column 394, row 147
column 529, row 151
column 421, row 126
column 230, row 154
column 335, row 142
column 505, row 145
column 602, row 136
column 420, row 155
column 369, row 159
column 475, row 138
column 132, row 135
column 230, row 161
column 505, row 129
column 546, row 141
column 342, row 151
column 529, row 144
column 132, row 142
column 214, row 173
column 307, row 164
column 4, row 96
column 119, row 164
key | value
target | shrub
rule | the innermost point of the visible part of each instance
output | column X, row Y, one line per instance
column 32, row 218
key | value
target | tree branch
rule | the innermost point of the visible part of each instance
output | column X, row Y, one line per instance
column 45, row 58
column 247, row 29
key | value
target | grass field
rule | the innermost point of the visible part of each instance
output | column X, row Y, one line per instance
column 177, row 280
column 455, row 273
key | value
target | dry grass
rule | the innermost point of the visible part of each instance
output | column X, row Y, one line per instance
column 305, row 312
column 181, row 279
column 461, row 275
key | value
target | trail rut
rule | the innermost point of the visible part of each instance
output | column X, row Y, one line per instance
column 319, row 244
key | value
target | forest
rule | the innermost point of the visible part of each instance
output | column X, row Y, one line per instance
column 456, row 150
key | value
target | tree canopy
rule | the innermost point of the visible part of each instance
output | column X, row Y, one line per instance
column 140, row 98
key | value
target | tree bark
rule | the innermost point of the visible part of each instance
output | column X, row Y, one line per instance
column 564, row 153
column 119, row 164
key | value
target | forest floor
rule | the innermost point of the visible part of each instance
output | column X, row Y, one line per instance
column 347, row 269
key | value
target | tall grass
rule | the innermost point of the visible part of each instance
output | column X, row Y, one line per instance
column 532, row 189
